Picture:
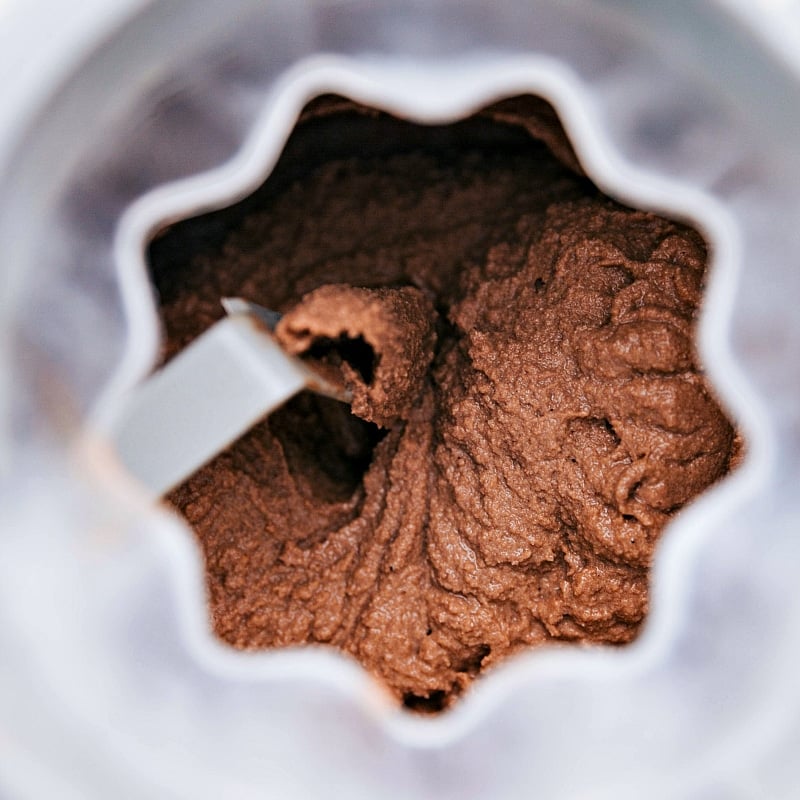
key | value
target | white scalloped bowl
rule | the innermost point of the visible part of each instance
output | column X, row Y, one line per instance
column 113, row 683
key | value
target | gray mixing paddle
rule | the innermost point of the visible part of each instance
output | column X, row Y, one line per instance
column 213, row 391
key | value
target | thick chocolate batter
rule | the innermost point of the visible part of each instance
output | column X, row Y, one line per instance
column 528, row 408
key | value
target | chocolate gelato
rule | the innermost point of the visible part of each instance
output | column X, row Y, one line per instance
column 528, row 407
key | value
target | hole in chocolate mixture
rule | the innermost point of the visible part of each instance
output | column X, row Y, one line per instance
column 472, row 663
column 490, row 507
column 327, row 449
column 606, row 423
column 426, row 704
column 355, row 351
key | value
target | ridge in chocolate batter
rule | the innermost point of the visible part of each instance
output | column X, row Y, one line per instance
column 528, row 407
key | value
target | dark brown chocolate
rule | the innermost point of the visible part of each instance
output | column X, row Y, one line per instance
column 529, row 411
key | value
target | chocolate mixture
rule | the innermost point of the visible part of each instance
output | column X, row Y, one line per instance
column 528, row 409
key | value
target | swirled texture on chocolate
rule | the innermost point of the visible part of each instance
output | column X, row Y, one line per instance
column 529, row 410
